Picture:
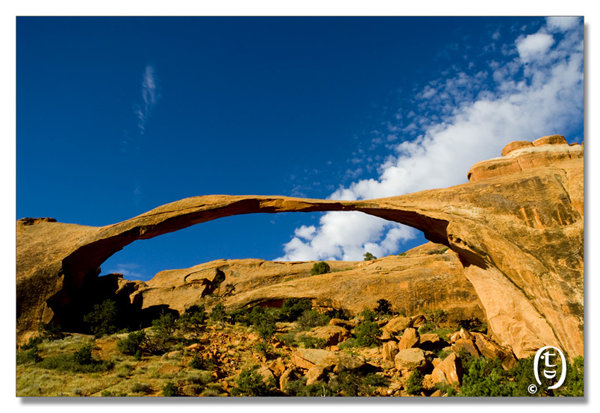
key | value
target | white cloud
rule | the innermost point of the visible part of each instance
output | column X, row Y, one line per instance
column 561, row 23
column 129, row 271
column 534, row 45
column 470, row 118
column 150, row 97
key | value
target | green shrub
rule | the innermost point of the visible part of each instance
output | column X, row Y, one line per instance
column 79, row 362
column 200, row 363
column 164, row 326
column 414, row 384
column 384, row 307
column 133, row 343
column 298, row 388
column 218, row 313
column 251, row 383
column 310, row 319
column 371, row 381
column 193, row 320
column 103, row 319
column 33, row 342
column 28, row 356
column 366, row 334
column 312, row 342
column 369, row 257
column 143, row 388
column 169, row 389
column 292, row 308
column 427, row 327
column 402, row 254
column 573, row 385
column 320, row 268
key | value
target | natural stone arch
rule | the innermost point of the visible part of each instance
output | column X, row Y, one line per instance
column 514, row 230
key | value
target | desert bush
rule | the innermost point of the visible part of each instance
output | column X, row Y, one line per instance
column 193, row 320
column 369, row 257
column 366, row 334
column 251, row 383
column 139, row 387
column 384, row 307
column 218, row 313
column 310, row 319
column 320, row 268
column 340, row 313
column 414, row 384
column 28, row 356
column 200, row 363
column 103, row 319
column 79, row 362
column 311, row 342
column 292, row 308
column 135, row 342
column 298, row 388
column 164, row 326
column 170, row 389
column 372, row 381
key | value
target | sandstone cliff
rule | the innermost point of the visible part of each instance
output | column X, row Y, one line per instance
column 517, row 228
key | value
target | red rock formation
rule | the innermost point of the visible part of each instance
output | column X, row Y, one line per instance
column 517, row 227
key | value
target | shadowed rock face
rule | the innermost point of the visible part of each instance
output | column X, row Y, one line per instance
column 517, row 228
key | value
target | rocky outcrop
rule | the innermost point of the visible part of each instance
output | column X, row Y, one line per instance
column 517, row 228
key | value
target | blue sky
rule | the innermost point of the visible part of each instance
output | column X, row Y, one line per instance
column 116, row 116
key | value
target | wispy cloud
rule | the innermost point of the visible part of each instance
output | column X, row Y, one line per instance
column 129, row 271
column 457, row 120
column 150, row 98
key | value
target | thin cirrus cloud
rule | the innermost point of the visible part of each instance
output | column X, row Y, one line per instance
column 149, row 96
column 458, row 120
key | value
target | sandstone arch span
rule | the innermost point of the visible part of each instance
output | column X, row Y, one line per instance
column 517, row 227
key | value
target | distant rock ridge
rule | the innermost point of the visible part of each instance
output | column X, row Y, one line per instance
column 516, row 227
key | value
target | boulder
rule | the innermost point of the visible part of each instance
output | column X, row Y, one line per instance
column 285, row 378
column 409, row 339
column 491, row 350
column 347, row 324
column 448, row 371
column 308, row 358
column 417, row 321
column 466, row 345
column 431, row 342
column 314, row 374
column 397, row 325
column 331, row 334
column 410, row 359
column 389, row 350
column 267, row 375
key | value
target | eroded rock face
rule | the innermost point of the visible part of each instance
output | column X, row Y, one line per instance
column 517, row 228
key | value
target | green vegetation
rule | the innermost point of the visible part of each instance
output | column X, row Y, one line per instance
column 367, row 332
column 486, row 377
column 79, row 362
column 169, row 389
column 103, row 319
column 369, row 257
column 384, row 307
column 320, row 268
column 251, row 383
column 414, row 384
